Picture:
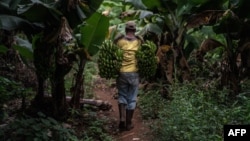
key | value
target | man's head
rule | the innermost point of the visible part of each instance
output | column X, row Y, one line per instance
column 130, row 26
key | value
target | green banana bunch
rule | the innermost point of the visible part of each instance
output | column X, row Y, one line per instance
column 109, row 60
column 146, row 59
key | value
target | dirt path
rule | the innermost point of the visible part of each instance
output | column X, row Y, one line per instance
column 104, row 91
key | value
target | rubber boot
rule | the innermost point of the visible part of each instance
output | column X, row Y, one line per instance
column 129, row 116
column 122, row 113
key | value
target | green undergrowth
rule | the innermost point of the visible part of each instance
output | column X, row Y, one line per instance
column 88, row 126
column 11, row 90
column 41, row 128
column 82, row 126
column 196, row 112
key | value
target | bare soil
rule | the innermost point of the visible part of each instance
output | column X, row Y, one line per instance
column 105, row 90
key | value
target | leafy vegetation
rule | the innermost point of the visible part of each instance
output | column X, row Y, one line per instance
column 9, row 91
column 202, row 77
column 196, row 112
column 82, row 125
column 41, row 128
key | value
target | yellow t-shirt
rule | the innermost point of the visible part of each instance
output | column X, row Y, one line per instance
column 129, row 48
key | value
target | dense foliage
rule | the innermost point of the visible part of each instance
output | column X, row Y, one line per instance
column 202, row 79
column 41, row 128
column 196, row 112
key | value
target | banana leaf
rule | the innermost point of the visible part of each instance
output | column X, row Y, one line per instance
column 8, row 6
column 8, row 22
column 94, row 32
column 24, row 47
column 47, row 13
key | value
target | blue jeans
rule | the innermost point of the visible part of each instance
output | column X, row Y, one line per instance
column 128, row 85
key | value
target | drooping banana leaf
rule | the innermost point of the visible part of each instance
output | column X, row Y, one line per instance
column 47, row 13
column 8, row 6
column 94, row 32
column 137, row 4
column 152, row 28
column 24, row 47
column 145, row 13
column 8, row 22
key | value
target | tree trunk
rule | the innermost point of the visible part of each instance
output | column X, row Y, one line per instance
column 57, row 83
column 40, row 90
column 58, row 95
column 77, row 88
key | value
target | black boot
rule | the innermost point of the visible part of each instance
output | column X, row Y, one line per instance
column 129, row 116
column 122, row 113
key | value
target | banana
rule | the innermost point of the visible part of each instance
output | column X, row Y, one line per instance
column 147, row 63
column 109, row 60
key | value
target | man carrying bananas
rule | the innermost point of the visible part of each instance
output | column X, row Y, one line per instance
column 128, row 80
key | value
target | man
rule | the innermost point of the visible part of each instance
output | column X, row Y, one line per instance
column 128, row 79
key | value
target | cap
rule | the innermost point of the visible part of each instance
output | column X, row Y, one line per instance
column 130, row 25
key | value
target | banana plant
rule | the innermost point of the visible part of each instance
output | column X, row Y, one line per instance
column 153, row 20
column 233, row 23
column 51, row 32
column 170, row 23
column 89, row 37
column 179, row 19
column 162, row 21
